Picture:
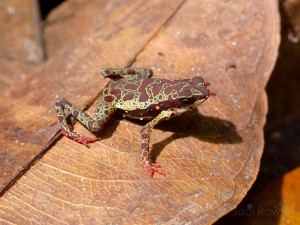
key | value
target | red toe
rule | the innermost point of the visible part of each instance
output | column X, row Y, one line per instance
column 154, row 168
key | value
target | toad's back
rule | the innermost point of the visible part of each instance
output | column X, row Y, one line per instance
column 132, row 93
column 145, row 98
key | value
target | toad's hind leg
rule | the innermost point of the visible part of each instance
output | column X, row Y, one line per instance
column 102, row 116
column 137, row 73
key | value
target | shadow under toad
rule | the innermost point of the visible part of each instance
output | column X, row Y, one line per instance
column 193, row 124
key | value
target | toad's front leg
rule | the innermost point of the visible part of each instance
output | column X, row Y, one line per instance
column 145, row 132
column 103, row 113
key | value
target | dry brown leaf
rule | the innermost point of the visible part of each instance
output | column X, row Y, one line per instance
column 70, row 21
column 10, row 73
column 212, row 157
column 20, row 41
column 20, row 38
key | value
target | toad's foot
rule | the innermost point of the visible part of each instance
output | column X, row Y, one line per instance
column 80, row 139
column 153, row 168
column 86, row 140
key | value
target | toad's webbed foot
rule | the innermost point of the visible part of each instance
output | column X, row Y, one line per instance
column 153, row 168
column 80, row 139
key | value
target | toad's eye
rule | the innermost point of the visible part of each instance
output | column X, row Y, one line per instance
column 185, row 101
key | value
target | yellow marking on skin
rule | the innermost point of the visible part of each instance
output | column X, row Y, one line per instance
column 157, row 107
column 179, row 111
